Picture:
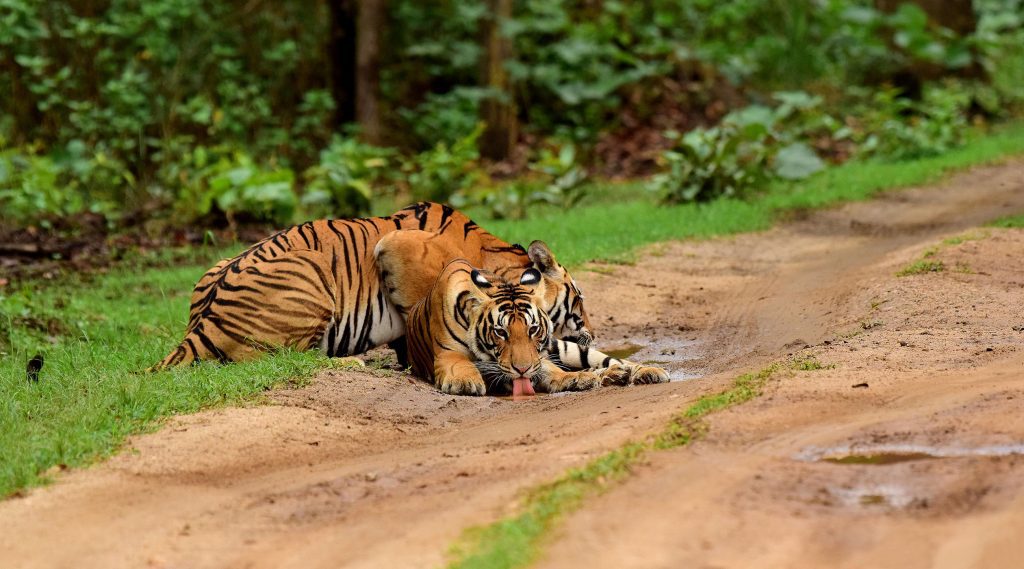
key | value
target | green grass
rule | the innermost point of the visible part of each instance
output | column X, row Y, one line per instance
column 622, row 217
column 921, row 267
column 518, row 540
column 96, row 333
column 1013, row 221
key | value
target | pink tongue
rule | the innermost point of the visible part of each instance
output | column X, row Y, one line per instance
column 522, row 386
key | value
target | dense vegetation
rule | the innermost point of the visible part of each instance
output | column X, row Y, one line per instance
column 204, row 112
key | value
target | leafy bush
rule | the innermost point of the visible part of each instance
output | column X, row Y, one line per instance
column 342, row 184
column 748, row 148
column 239, row 186
column 444, row 170
column 895, row 128
column 37, row 188
column 709, row 163
column 555, row 179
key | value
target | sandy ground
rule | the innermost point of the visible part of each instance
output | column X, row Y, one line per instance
column 380, row 470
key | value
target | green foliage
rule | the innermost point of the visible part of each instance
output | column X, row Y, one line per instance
column 130, row 106
column 343, row 183
column 444, row 170
column 896, row 128
column 706, row 164
column 118, row 92
column 555, row 179
column 744, row 152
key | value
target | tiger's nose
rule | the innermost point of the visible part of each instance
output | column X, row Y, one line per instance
column 521, row 369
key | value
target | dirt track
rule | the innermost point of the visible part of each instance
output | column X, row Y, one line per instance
column 366, row 471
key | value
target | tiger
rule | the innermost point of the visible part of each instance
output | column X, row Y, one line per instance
column 315, row 285
column 412, row 264
column 476, row 333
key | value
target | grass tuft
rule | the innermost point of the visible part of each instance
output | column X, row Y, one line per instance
column 921, row 267
column 809, row 363
column 1013, row 221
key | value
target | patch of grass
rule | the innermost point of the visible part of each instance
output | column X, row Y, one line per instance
column 1013, row 221
column 621, row 217
column 921, row 267
column 96, row 333
column 517, row 541
column 925, row 265
column 809, row 363
column 959, row 239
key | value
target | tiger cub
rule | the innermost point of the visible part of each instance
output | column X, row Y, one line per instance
column 411, row 262
column 316, row 285
column 475, row 333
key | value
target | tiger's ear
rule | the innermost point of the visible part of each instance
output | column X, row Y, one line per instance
column 530, row 276
column 543, row 258
column 479, row 280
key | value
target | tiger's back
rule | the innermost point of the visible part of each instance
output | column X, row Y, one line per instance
column 312, row 285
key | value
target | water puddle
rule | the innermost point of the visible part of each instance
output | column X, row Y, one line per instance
column 624, row 352
column 881, row 458
column 888, row 496
column 671, row 353
column 883, row 455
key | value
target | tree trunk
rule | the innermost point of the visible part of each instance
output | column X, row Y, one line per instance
column 342, row 57
column 371, row 25
column 498, row 113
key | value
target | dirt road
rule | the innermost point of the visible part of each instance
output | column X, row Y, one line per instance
column 924, row 373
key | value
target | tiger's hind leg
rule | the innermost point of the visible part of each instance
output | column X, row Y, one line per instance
column 454, row 373
column 286, row 301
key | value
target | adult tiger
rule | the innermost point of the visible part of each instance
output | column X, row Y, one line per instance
column 415, row 265
column 475, row 332
column 316, row 285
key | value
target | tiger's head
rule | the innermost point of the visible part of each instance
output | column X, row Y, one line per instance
column 510, row 331
column 560, row 297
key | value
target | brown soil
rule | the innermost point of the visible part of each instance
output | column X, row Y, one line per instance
column 380, row 470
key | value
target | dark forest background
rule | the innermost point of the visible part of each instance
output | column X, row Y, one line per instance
column 149, row 114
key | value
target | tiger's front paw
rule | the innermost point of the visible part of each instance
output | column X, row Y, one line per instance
column 575, row 381
column 462, row 385
column 629, row 373
column 649, row 374
column 615, row 374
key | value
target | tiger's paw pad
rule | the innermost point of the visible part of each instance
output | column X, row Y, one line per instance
column 615, row 374
column 460, row 386
column 577, row 381
column 648, row 374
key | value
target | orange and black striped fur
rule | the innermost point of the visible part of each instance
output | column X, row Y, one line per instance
column 413, row 263
column 315, row 285
column 475, row 333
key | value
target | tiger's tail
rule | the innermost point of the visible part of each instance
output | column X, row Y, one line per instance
column 190, row 351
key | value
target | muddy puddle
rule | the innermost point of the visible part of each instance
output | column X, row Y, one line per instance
column 883, row 455
column 676, row 355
